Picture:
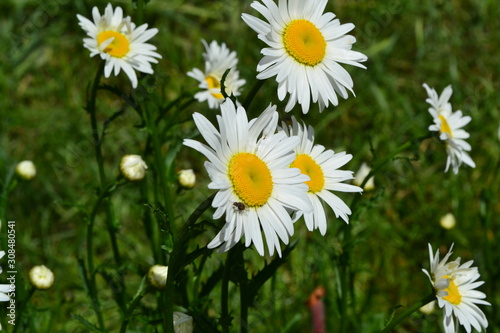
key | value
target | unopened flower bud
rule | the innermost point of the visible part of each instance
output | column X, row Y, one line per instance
column 448, row 221
column 26, row 170
column 183, row 323
column 158, row 276
column 428, row 308
column 363, row 171
column 133, row 167
column 41, row 277
column 187, row 178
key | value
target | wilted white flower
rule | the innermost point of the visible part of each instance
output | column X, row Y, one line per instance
column 447, row 221
column 187, row 178
column 133, row 167
column 182, row 323
column 26, row 170
column 41, row 277
column 158, row 276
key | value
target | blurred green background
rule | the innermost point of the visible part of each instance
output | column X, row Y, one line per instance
column 44, row 73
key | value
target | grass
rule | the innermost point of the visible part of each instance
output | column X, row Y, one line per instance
column 44, row 74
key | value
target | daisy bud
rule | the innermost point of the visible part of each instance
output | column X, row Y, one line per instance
column 187, row 178
column 363, row 171
column 41, row 277
column 157, row 275
column 428, row 308
column 26, row 170
column 183, row 323
column 133, row 167
column 448, row 221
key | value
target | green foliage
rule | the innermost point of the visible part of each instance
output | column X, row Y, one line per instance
column 45, row 79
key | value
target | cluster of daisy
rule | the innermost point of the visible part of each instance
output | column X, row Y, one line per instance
column 268, row 175
column 263, row 174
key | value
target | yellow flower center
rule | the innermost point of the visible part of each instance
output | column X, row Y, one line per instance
column 251, row 179
column 454, row 296
column 120, row 45
column 214, row 83
column 309, row 167
column 445, row 127
column 304, row 42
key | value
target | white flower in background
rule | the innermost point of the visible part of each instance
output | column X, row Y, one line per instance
column 449, row 126
column 428, row 308
column 157, row 275
column 41, row 277
column 305, row 49
column 322, row 167
column 448, row 221
column 183, row 323
column 249, row 166
column 187, row 178
column 119, row 42
column 454, row 285
column 218, row 59
column 359, row 177
column 26, row 170
column 133, row 167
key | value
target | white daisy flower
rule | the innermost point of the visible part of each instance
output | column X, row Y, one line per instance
column 305, row 49
column 218, row 59
column 249, row 166
column 449, row 125
column 454, row 285
column 119, row 42
column 322, row 168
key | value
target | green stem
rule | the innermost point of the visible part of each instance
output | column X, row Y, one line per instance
column 20, row 308
column 91, row 108
column 90, row 256
column 150, row 228
column 251, row 95
column 244, row 305
column 175, row 264
column 91, row 103
column 140, row 12
column 392, row 323
column 225, row 320
column 5, row 195
column 162, row 172
column 343, row 273
column 133, row 304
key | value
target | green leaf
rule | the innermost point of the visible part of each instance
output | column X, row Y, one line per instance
column 87, row 324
